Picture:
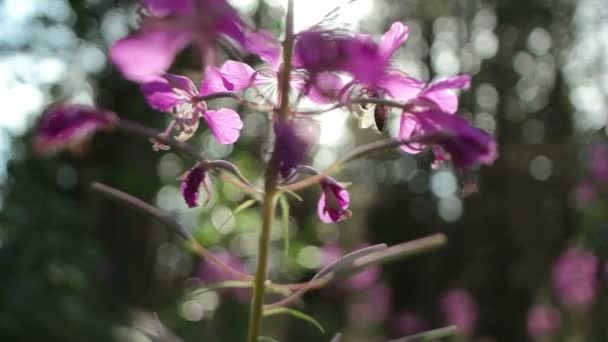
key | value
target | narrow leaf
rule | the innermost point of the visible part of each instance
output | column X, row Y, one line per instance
column 266, row 339
column 294, row 195
column 285, row 218
column 243, row 206
column 296, row 314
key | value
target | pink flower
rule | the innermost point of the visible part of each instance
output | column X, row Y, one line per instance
column 542, row 321
column 454, row 137
column 179, row 97
column 575, row 278
column 334, row 201
column 460, row 309
column 191, row 183
column 171, row 25
column 68, row 125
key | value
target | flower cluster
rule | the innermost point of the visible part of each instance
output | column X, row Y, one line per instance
column 343, row 69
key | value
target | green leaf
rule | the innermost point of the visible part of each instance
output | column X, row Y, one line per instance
column 285, row 222
column 294, row 195
column 296, row 314
column 243, row 206
column 266, row 339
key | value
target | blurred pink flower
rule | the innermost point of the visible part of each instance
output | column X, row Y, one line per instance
column 370, row 306
column 584, row 193
column 575, row 278
column 409, row 323
column 211, row 273
column 597, row 160
column 543, row 320
column 460, row 309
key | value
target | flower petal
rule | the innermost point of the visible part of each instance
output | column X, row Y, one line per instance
column 393, row 39
column 146, row 54
column 237, row 75
column 160, row 95
column 442, row 92
column 213, row 82
column 399, row 86
column 325, row 88
column 265, row 45
column 408, row 130
column 225, row 124
column 162, row 8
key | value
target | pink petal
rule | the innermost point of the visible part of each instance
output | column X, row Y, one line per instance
column 408, row 130
column 225, row 124
column 213, row 82
column 182, row 83
column 238, row 75
column 162, row 8
column 265, row 45
column 442, row 92
column 159, row 94
column 393, row 39
column 400, row 87
column 325, row 89
column 146, row 54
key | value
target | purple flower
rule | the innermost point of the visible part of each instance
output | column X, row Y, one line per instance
column 179, row 97
column 575, row 278
column 409, row 323
column 68, row 125
column 383, row 81
column 542, row 321
column 454, row 137
column 334, row 201
column 171, row 25
column 460, row 309
column 191, row 183
column 294, row 140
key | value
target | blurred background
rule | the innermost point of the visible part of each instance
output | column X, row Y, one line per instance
column 528, row 236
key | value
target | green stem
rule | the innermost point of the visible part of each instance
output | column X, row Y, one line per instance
column 270, row 188
column 257, row 304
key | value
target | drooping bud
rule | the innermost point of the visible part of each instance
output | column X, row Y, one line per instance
column 69, row 125
column 191, row 183
column 334, row 202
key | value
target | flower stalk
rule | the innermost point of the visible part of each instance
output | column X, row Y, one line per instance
column 270, row 189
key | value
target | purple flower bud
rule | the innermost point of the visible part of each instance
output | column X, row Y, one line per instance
column 542, row 321
column 575, row 278
column 334, row 201
column 191, row 183
column 68, row 125
column 460, row 309
column 294, row 140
